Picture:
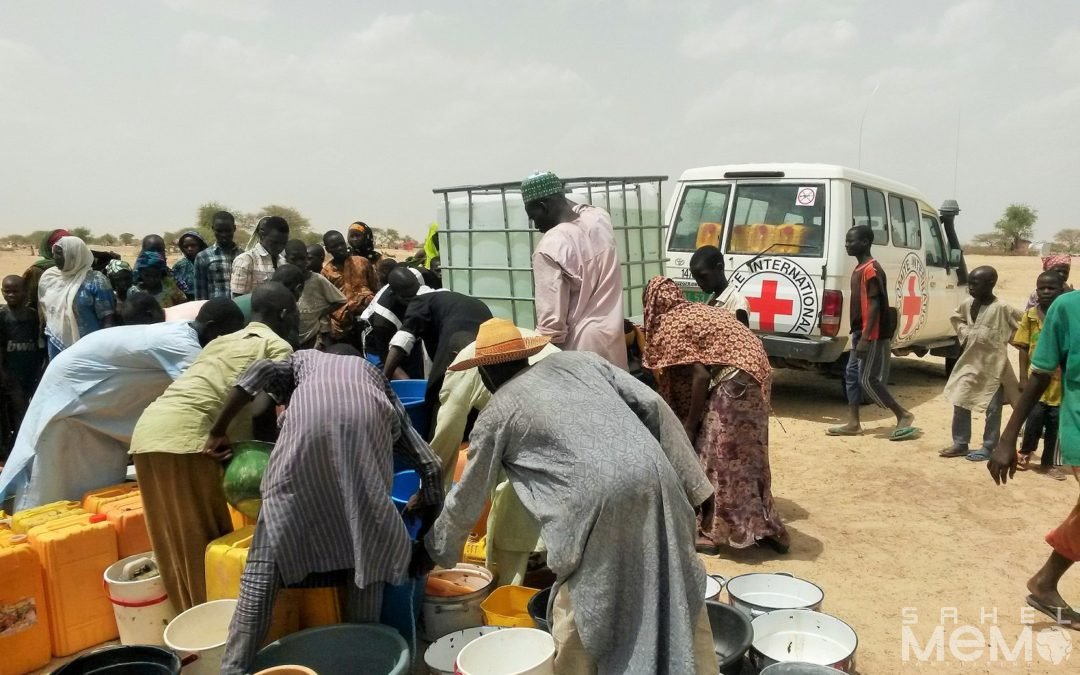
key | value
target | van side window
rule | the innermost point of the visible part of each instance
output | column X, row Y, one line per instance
column 935, row 246
column 904, row 222
column 868, row 208
column 701, row 218
column 781, row 218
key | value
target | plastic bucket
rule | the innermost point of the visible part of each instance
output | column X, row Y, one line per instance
column 509, row 606
column 512, row 651
column 343, row 649
column 133, row 660
column 142, row 607
column 406, row 484
column 202, row 631
column 440, row 657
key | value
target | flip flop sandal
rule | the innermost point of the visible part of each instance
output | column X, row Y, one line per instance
column 978, row 456
column 903, row 434
column 1022, row 461
column 841, row 431
column 954, row 452
column 1062, row 616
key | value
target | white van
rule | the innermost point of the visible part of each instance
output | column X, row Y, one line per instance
column 781, row 228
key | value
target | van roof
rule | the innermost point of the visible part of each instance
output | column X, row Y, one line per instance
column 808, row 171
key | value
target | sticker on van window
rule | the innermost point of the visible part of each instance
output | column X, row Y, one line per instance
column 912, row 300
column 806, row 196
column 782, row 297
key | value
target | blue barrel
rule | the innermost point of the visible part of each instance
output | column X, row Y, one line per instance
column 411, row 393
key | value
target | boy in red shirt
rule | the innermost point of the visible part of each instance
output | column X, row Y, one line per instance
column 872, row 326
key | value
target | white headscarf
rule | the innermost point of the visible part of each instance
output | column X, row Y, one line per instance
column 58, row 287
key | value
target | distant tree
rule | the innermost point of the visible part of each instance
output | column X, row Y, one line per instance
column 245, row 224
column 37, row 238
column 172, row 237
column 1018, row 222
column 127, row 239
column 107, row 240
column 83, row 233
column 310, row 238
column 298, row 224
column 1069, row 239
column 204, row 215
column 994, row 240
column 388, row 238
column 409, row 243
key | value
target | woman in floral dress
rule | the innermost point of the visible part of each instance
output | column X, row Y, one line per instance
column 715, row 375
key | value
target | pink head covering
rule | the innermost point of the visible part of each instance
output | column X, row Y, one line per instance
column 1050, row 261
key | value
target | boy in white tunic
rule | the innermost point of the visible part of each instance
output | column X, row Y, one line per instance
column 983, row 379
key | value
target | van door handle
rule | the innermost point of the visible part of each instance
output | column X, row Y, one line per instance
column 933, row 284
column 950, row 287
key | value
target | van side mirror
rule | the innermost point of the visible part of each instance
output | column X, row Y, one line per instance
column 954, row 257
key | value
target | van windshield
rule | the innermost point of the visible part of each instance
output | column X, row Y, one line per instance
column 781, row 218
column 701, row 217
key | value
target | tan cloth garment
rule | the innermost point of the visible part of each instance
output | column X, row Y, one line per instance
column 572, row 659
column 984, row 364
column 185, row 511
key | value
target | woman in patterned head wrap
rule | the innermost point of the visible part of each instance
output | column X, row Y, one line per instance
column 151, row 277
column 33, row 273
column 74, row 299
column 121, row 280
column 190, row 244
column 714, row 373
column 362, row 242
column 1058, row 263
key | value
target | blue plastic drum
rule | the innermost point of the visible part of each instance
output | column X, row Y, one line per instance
column 411, row 393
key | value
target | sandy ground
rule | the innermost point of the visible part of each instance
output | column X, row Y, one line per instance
column 890, row 530
column 894, row 533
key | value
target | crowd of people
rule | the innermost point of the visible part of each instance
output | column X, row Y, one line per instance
column 72, row 291
column 165, row 368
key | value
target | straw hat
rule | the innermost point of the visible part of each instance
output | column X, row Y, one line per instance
column 500, row 341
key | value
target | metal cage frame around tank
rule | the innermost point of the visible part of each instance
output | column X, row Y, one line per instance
column 596, row 188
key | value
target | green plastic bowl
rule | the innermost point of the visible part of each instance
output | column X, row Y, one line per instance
column 243, row 476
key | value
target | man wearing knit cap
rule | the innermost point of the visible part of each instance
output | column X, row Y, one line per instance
column 576, row 273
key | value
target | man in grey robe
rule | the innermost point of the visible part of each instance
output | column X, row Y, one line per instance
column 607, row 470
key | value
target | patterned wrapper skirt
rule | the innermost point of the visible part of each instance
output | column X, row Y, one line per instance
column 733, row 447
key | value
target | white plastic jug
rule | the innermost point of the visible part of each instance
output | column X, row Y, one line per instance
column 201, row 631
column 512, row 651
column 141, row 605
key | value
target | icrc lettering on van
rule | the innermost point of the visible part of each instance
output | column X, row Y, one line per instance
column 781, row 229
column 785, row 296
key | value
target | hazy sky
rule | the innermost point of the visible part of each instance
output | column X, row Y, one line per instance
column 125, row 115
